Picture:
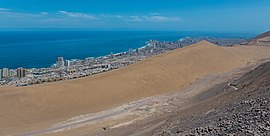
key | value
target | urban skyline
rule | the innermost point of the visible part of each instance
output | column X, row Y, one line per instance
column 76, row 68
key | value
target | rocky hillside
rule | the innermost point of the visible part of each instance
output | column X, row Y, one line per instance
column 262, row 39
column 263, row 35
column 246, row 109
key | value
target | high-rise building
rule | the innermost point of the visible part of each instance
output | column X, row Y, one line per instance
column 21, row 72
column 60, row 62
column 111, row 55
column 12, row 73
column 5, row 73
column 67, row 63
column 130, row 51
column 0, row 74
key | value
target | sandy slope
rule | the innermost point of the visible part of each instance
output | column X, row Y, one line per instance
column 37, row 107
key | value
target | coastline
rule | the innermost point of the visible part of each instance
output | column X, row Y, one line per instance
column 76, row 68
column 94, row 44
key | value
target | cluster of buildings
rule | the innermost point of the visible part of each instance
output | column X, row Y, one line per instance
column 7, row 74
column 71, row 69
column 60, row 62
column 227, row 41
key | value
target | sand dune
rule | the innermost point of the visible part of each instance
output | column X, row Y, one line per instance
column 37, row 107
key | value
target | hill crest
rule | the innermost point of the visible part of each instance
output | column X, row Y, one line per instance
column 263, row 35
column 203, row 43
column 260, row 40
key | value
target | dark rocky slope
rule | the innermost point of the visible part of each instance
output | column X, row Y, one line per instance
column 263, row 35
column 240, row 107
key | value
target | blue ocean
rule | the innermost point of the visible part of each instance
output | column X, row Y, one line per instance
column 36, row 49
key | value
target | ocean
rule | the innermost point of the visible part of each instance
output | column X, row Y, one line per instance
column 37, row 49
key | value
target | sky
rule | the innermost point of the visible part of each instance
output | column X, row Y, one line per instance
column 156, row 15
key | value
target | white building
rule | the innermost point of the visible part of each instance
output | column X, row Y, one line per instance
column 21, row 72
column 67, row 63
column 0, row 74
column 12, row 73
column 60, row 62
column 5, row 73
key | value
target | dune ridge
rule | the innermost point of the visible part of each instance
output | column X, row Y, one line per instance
column 36, row 107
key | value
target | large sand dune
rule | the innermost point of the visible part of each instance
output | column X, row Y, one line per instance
column 30, row 108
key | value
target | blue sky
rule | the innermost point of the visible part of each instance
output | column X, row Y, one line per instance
column 165, row 15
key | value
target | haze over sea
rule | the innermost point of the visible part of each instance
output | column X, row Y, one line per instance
column 36, row 49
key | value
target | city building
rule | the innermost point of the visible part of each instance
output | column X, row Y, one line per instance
column 21, row 72
column 75, row 68
column 111, row 56
column 5, row 73
column 0, row 74
column 67, row 63
column 130, row 51
column 12, row 73
column 89, row 59
column 60, row 62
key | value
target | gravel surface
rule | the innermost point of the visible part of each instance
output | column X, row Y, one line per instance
column 247, row 114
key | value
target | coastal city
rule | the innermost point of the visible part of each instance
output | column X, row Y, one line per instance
column 75, row 68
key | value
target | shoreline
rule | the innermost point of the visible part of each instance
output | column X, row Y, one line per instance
column 141, row 47
column 78, row 68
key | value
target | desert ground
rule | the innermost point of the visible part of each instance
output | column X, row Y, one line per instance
column 119, row 98
column 160, row 115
